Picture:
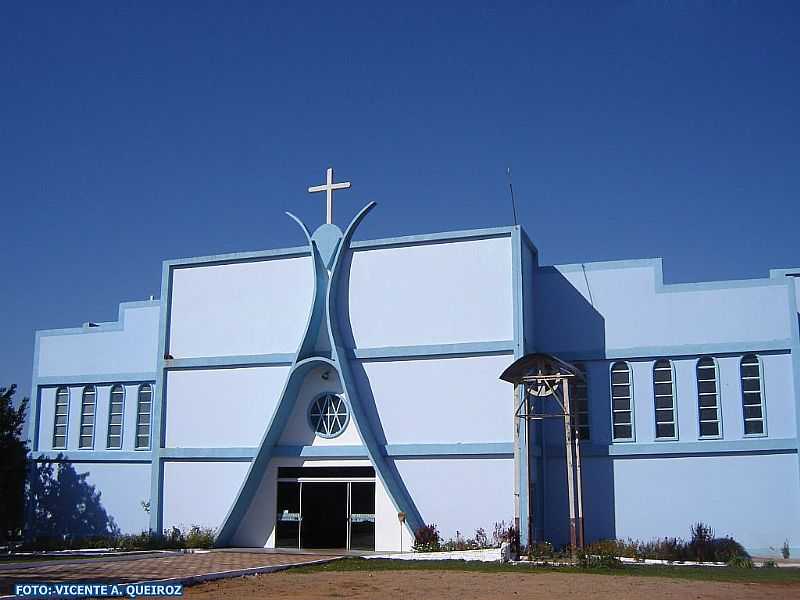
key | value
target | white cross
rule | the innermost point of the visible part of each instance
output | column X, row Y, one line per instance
column 328, row 187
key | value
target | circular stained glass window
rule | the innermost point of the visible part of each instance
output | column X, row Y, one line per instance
column 328, row 415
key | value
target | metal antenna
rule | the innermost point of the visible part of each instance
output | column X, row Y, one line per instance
column 511, row 189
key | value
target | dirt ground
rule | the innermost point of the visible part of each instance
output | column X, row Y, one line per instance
column 454, row 585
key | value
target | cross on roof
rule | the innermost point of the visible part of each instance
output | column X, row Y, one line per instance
column 328, row 188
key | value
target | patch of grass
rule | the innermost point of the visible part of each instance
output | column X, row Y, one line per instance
column 784, row 575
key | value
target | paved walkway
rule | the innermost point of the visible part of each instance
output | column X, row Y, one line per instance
column 188, row 568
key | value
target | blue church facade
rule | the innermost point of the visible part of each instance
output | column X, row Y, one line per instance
column 262, row 384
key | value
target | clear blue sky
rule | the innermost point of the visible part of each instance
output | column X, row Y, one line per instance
column 132, row 132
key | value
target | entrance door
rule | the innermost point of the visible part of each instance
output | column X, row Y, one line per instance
column 287, row 522
column 324, row 522
column 362, row 516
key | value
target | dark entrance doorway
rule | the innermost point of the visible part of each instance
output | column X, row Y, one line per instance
column 324, row 515
column 325, row 507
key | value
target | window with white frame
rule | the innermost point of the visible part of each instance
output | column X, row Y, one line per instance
column 752, row 395
column 88, row 404
column 664, row 397
column 621, row 401
column 116, row 410
column 579, row 400
column 708, row 405
column 143, row 411
column 61, row 419
column 328, row 415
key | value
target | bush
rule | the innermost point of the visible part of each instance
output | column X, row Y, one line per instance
column 426, row 539
column 200, row 537
column 602, row 554
column 703, row 547
column 512, row 537
column 481, row 539
column 700, row 545
column 740, row 562
column 146, row 540
column 725, row 549
column 170, row 539
column 499, row 533
column 769, row 564
column 785, row 552
column 540, row 550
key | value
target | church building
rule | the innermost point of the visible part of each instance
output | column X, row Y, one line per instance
column 343, row 393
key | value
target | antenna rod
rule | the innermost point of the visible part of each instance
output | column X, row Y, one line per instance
column 511, row 189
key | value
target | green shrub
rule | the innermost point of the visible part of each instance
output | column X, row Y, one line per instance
column 726, row 549
column 498, row 533
column 200, row 537
column 703, row 547
column 427, row 539
column 170, row 539
column 740, row 562
column 459, row 543
column 512, row 537
column 769, row 564
column 481, row 539
column 601, row 554
column 785, row 552
column 700, row 544
column 540, row 550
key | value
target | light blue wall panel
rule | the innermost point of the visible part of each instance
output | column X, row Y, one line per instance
column 129, row 346
column 625, row 305
column 753, row 498
column 779, row 395
column 441, row 400
column 530, row 269
column 200, row 493
column 431, row 294
column 122, row 487
column 211, row 408
column 461, row 494
column 243, row 308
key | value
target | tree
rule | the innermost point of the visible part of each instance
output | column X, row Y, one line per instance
column 13, row 462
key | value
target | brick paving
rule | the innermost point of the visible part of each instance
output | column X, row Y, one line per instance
column 146, row 568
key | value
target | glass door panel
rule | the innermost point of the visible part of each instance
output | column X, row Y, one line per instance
column 362, row 516
column 287, row 522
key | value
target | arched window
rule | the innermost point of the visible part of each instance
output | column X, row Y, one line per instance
column 621, row 401
column 116, row 410
column 88, row 402
column 752, row 395
column 61, row 419
column 579, row 400
column 708, row 398
column 143, row 410
column 664, row 396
